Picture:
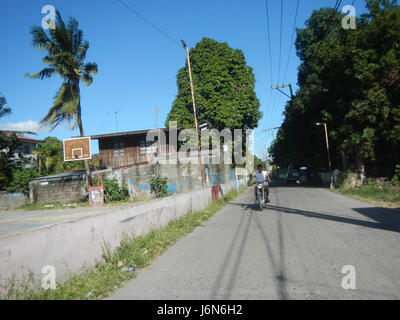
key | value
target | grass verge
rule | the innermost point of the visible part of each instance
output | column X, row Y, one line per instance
column 388, row 197
column 109, row 275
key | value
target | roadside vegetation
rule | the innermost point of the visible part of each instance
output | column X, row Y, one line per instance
column 113, row 192
column 116, row 268
column 159, row 186
column 386, row 195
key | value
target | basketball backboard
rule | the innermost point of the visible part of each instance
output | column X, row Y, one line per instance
column 77, row 149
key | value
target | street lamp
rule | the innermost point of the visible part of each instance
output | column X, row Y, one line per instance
column 194, row 109
column 327, row 149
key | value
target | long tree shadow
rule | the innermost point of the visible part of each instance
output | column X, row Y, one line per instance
column 385, row 219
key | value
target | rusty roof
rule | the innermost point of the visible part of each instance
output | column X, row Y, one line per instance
column 128, row 133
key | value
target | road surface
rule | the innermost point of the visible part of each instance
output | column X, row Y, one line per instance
column 294, row 249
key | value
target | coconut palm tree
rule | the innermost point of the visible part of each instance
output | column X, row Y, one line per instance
column 66, row 52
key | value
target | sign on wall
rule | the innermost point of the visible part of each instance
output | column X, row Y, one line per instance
column 96, row 196
column 77, row 149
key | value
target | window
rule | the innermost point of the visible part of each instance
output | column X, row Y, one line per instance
column 119, row 149
column 27, row 150
column 146, row 147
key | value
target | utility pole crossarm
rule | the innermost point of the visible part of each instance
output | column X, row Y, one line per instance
column 278, row 87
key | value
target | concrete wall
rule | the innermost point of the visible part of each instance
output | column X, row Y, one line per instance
column 57, row 190
column 72, row 246
column 181, row 177
column 12, row 200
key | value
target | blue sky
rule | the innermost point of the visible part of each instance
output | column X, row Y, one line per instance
column 138, row 65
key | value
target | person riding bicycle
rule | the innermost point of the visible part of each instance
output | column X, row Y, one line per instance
column 262, row 177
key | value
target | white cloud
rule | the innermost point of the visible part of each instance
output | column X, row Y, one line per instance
column 30, row 125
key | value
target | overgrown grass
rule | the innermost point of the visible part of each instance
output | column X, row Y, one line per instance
column 108, row 275
column 383, row 196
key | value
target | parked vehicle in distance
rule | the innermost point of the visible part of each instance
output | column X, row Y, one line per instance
column 303, row 175
column 293, row 175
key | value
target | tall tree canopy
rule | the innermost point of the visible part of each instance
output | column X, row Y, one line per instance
column 349, row 79
column 223, row 86
column 66, row 54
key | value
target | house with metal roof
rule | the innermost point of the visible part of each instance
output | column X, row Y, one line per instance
column 127, row 149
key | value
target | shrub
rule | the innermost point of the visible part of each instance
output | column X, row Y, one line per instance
column 21, row 178
column 113, row 192
column 159, row 186
column 396, row 177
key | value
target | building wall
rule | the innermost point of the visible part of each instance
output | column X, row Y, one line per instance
column 131, row 155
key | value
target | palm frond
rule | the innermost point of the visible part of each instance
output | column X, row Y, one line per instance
column 90, row 68
column 87, row 78
column 4, row 111
column 40, row 39
column 45, row 73
column 75, row 34
column 82, row 50
column 65, row 107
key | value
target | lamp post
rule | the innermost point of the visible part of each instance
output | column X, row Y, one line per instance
column 327, row 149
column 194, row 109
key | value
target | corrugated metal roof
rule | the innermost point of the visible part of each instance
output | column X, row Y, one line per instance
column 28, row 139
column 72, row 173
column 128, row 133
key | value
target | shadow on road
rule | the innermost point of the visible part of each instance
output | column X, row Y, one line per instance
column 385, row 218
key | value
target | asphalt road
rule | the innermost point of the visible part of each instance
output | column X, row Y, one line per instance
column 294, row 249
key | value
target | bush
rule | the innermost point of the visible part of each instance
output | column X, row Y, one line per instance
column 395, row 181
column 21, row 178
column 113, row 192
column 159, row 186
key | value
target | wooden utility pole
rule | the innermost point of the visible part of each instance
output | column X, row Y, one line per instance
column 194, row 109
column 327, row 149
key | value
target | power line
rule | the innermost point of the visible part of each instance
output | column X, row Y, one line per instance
column 269, row 40
column 280, row 44
column 149, row 23
column 291, row 40
column 270, row 58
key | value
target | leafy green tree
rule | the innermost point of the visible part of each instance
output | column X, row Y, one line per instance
column 66, row 52
column 20, row 180
column 8, row 143
column 257, row 162
column 50, row 159
column 223, row 86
